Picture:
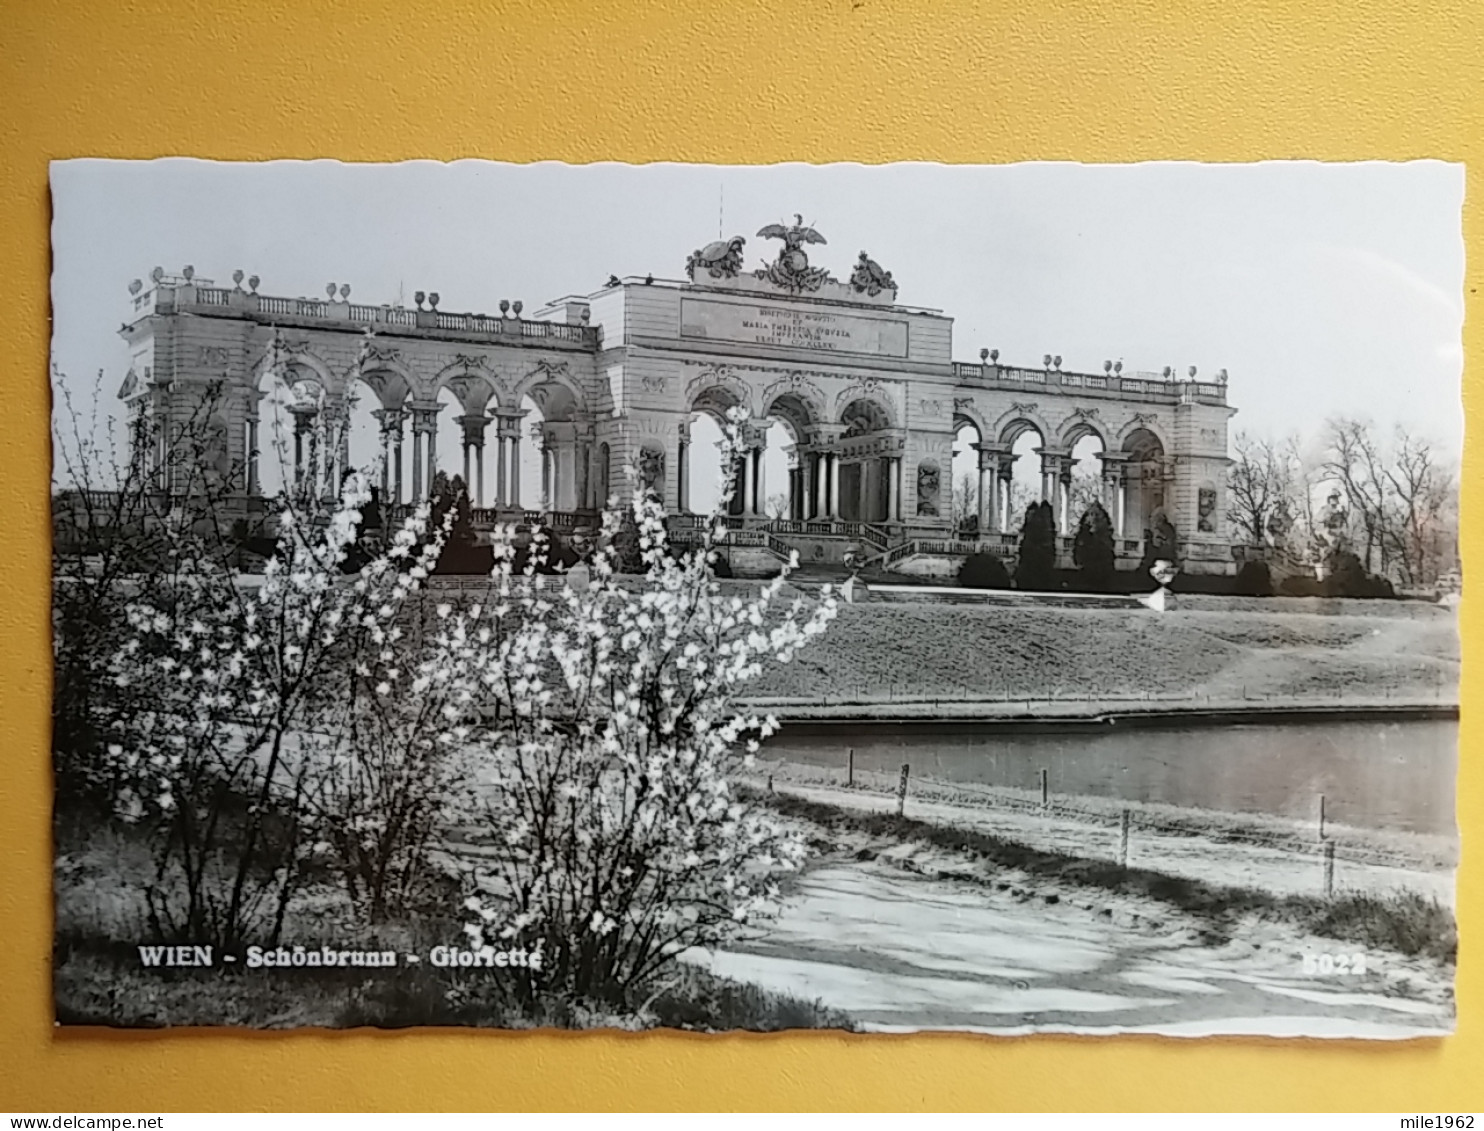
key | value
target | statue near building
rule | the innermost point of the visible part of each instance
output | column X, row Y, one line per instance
column 870, row 278
column 652, row 471
column 928, row 479
column 721, row 259
column 1206, row 510
column 1332, row 536
column 1161, row 541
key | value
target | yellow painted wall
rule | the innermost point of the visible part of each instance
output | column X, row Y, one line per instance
column 688, row 80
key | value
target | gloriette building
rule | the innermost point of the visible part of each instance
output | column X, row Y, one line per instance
column 862, row 391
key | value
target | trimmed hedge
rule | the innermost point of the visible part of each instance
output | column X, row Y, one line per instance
column 983, row 571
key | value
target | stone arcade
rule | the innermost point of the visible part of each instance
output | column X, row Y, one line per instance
column 861, row 391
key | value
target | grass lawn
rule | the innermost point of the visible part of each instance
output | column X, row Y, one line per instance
column 1373, row 649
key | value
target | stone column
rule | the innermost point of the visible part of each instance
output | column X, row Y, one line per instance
column 514, row 500
column 547, row 478
column 137, row 433
column 806, row 485
column 583, row 500
column 1052, row 464
column 398, row 419
column 748, row 471
column 759, row 484
column 834, row 486
column 1005, row 476
column 894, row 491
column 383, row 447
column 1064, row 492
column 989, row 493
column 474, row 424
column 501, row 459
column 314, row 480
column 424, row 429
column 1113, row 476
column 682, row 470
column 303, row 415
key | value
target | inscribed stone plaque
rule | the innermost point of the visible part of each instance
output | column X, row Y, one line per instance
column 772, row 324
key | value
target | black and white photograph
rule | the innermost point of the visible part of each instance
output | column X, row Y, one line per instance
column 1000, row 599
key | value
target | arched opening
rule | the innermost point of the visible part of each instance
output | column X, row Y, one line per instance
column 1145, row 484
column 467, row 445
column 1026, row 483
column 967, row 504
column 446, row 456
column 371, row 439
column 290, row 443
column 530, row 493
column 1085, row 481
column 783, row 475
column 866, row 475
column 704, row 472
column 603, row 474
column 553, row 476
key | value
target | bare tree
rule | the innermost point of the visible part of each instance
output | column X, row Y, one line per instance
column 965, row 499
column 1422, row 498
column 1353, row 459
column 1256, row 487
column 1085, row 489
column 1306, row 471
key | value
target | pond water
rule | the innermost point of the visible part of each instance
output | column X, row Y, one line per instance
column 1385, row 774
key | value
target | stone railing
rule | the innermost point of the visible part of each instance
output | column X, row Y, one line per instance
column 1142, row 387
column 168, row 299
column 560, row 521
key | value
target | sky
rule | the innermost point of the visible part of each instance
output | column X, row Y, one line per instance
column 1322, row 289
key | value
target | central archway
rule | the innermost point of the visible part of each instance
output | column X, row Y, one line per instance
column 783, row 476
column 705, row 473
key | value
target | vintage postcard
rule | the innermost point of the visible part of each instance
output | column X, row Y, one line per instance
column 1005, row 599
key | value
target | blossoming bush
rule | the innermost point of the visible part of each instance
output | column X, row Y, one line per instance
column 589, row 722
column 248, row 736
column 604, row 716
column 116, row 529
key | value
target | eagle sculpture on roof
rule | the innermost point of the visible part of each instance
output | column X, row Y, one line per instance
column 800, row 233
column 791, row 269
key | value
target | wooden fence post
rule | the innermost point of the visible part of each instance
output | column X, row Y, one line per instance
column 1329, row 869
column 1123, row 839
column 1045, row 791
column 902, row 790
column 850, row 768
column 1321, row 816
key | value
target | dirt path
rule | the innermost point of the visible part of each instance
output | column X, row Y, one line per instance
column 898, row 945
